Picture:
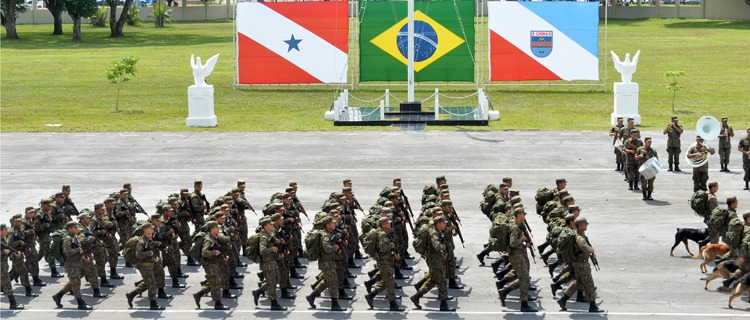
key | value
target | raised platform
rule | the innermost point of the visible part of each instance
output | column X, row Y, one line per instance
column 448, row 116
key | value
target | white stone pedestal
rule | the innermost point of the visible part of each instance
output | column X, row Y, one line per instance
column 626, row 102
column 201, row 107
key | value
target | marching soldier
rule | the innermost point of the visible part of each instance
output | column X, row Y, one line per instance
column 622, row 136
column 6, row 252
column 74, row 256
column 146, row 255
column 436, row 256
column 125, row 214
column 102, row 226
column 725, row 144
column 136, row 206
column 673, row 132
column 385, row 260
column 169, row 230
column 92, row 250
column 744, row 148
column 212, row 259
column 700, row 174
column 69, row 202
column 18, row 242
column 61, row 212
column 327, row 266
column 520, row 262
column 44, row 226
column 161, row 250
column 32, row 255
column 110, row 219
column 199, row 205
column 269, row 253
column 713, row 188
column 629, row 147
column 642, row 155
column 614, row 132
column 582, row 269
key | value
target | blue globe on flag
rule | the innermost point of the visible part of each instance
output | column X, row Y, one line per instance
column 425, row 40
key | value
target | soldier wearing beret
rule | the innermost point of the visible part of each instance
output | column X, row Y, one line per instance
column 642, row 155
column 93, row 248
column 630, row 147
column 614, row 132
column 673, row 132
column 725, row 144
column 212, row 259
column 74, row 255
column 6, row 252
column 744, row 148
column 582, row 269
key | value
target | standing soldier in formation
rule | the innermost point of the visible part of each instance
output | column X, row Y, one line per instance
column 630, row 146
column 32, row 255
column 212, row 260
column 146, row 256
column 725, row 144
column 614, row 133
column 700, row 174
column 582, row 269
column 6, row 252
column 642, row 155
column 436, row 260
column 744, row 148
column 74, row 256
column 673, row 132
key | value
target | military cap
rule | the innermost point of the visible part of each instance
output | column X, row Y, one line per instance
column 241, row 183
column 82, row 216
column 631, row 119
column 518, row 211
column 444, row 186
column 46, row 201
column 185, row 190
column 224, row 206
column 439, row 219
column 124, row 191
column 515, row 200
column 339, row 195
column 235, row 190
column 387, row 210
column 568, row 198
column 634, row 131
column 65, row 187
column 275, row 217
column 155, row 216
column 514, row 192
column 396, row 180
column 3, row 226
column 219, row 216
column 581, row 220
column 619, row 118
column 289, row 190
column 446, row 203
column 198, row 182
column 569, row 217
column 277, row 204
column 446, row 191
column 563, row 191
column 724, row 118
column 228, row 198
column 264, row 221
column 503, row 186
column 292, row 183
column 212, row 224
column 388, row 204
column 347, row 181
column 437, row 210
column 699, row 138
column 59, row 195
column 647, row 139
column 517, row 205
column 384, row 220
column 172, row 200
column 439, row 178
column 334, row 211
column 573, row 208
column 507, row 179
column 327, row 220
column 731, row 199
column 746, row 215
column 16, row 217
column 166, row 207
column 109, row 200
column 674, row 118
column 98, row 206
column 71, row 224
column 29, row 209
column 561, row 180
column 335, row 205
column 712, row 184
column 286, row 195
column 347, row 189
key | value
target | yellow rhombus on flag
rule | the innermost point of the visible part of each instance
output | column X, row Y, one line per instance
column 447, row 41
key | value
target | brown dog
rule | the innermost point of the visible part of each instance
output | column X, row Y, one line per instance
column 723, row 270
column 709, row 252
column 743, row 286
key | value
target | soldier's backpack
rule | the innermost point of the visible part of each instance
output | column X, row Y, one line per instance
column 160, row 205
column 313, row 248
column 543, row 195
column 548, row 208
column 489, row 201
column 370, row 242
column 128, row 251
column 565, row 246
column 733, row 236
column 197, row 246
column 253, row 248
column 500, row 233
column 699, row 203
column 115, row 195
column 422, row 239
column 137, row 232
column 268, row 209
column 369, row 223
column 719, row 220
column 489, row 188
column 56, row 246
column 385, row 192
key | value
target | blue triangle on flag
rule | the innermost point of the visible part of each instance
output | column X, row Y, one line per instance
column 579, row 21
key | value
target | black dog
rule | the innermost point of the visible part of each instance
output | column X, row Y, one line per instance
column 699, row 236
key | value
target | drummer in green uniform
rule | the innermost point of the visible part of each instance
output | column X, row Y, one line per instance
column 642, row 155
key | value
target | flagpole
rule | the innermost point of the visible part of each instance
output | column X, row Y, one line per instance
column 410, row 51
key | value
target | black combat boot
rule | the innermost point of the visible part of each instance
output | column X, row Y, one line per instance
column 405, row 266
column 562, row 302
column 128, row 265
column 38, row 282
column 649, row 195
column 311, row 298
column 496, row 265
column 635, row 185
column 315, row 284
column 298, row 264
column 670, row 167
column 415, row 299
column 545, row 256
column 163, row 295
column 552, row 268
column 261, row 276
column 747, row 185
column 500, row 283
column 593, row 307
column 504, row 294
column 54, row 273
column 285, row 294
column 113, row 274
column 191, row 262
column 220, row 306
column 394, row 306
column 226, row 294
column 155, row 306
column 349, row 285
column 580, row 297
column 351, row 264
column 98, row 293
column 398, row 275
column 483, row 254
column 368, row 285
column 82, row 304
column 626, row 176
column 677, row 168
column 722, row 167
column 555, row 286
column 335, row 305
column 234, row 285
column 130, row 296
column 501, row 274
column 543, row 246
column 343, row 295
column 369, row 298
column 104, row 283
column 372, row 272
column 419, row 284
column 197, row 297
column 350, row 275
column 176, row 283
column 645, row 196
column 359, row 256
column 181, row 274
column 294, row 274
column 57, row 298
column 275, row 306
column 138, row 283
column 526, row 308
column 256, row 295
column 29, row 293
column 13, row 304
column 630, row 185
column 444, row 306
column 203, row 283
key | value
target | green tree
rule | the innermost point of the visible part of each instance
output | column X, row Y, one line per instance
column 118, row 74
column 78, row 9
column 9, row 11
column 116, row 26
column 673, row 84
column 161, row 15
column 56, row 9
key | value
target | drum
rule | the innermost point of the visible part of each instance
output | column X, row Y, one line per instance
column 650, row 168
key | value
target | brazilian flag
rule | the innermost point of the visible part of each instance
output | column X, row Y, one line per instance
column 443, row 41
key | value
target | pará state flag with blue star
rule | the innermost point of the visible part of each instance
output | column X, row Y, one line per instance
column 443, row 41
column 546, row 40
column 292, row 42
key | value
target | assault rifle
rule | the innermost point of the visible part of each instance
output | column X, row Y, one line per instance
column 452, row 218
column 593, row 257
column 528, row 239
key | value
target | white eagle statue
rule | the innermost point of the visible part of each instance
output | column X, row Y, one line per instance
column 201, row 71
column 626, row 68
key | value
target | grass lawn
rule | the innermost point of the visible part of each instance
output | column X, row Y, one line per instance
column 48, row 79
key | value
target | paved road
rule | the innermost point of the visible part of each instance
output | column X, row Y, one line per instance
column 637, row 280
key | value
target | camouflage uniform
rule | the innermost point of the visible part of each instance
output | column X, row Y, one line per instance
column 385, row 262
column 436, row 257
column 91, row 249
column 212, row 264
column 619, row 157
column 184, row 216
column 72, row 248
column 43, row 228
column 125, row 214
column 673, row 146
column 198, row 206
column 172, row 253
column 32, row 256
column 713, row 234
column 58, row 216
column 520, row 262
column 327, row 266
column 99, row 230
column 268, row 263
column 725, row 144
column 700, row 174
column 631, row 167
column 113, row 247
column 5, row 284
column 159, row 247
column 745, row 146
column 582, row 270
column 648, row 153
column 145, row 255
column 17, row 241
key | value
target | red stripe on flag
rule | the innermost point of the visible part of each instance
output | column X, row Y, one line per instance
column 508, row 63
column 329, row 20
column 258, row 65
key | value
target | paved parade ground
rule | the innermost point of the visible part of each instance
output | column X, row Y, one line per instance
column 638, row 279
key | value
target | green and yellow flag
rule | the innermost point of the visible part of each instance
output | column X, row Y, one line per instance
column 443, row 42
